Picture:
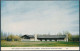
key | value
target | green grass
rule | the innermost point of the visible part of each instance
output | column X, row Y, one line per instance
column 38, row 44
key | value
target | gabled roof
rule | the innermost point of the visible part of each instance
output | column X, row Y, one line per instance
column 27, row 36
column 32, row 36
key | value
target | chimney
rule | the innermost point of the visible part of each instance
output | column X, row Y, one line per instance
column 35, row 37
column 67, row 38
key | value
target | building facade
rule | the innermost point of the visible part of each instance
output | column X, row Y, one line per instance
column 44, row 38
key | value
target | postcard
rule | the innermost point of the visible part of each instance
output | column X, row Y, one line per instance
column 39, row 25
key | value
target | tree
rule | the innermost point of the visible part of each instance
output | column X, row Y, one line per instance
column 3, row 35
column 75, row 38
column 13, row 38
column 69, row 35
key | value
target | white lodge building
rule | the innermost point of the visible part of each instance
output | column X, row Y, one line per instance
column 44, row 38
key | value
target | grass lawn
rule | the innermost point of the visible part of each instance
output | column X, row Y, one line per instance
column 38, row 44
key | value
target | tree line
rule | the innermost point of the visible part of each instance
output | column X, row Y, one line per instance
column 71, row 38
column 12, row 37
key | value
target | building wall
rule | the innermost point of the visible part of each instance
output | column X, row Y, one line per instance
column 25, row 39
column 32, row 39
column 61, row 40
column 52, row 39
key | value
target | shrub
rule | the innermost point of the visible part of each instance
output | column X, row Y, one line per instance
column 13, row 38
column 75, row 38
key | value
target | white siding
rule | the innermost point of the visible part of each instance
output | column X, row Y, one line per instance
column 25, row 39
column 32, row 39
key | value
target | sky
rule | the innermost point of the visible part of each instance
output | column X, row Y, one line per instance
column 40, row 17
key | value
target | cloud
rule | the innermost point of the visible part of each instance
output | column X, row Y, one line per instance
column 40, row 17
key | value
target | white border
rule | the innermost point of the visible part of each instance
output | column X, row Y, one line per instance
column 39, row 48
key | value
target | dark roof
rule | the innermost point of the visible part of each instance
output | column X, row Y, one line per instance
column 51, row 36
column 27, row 36
column 47, row 36
column 32, row 36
